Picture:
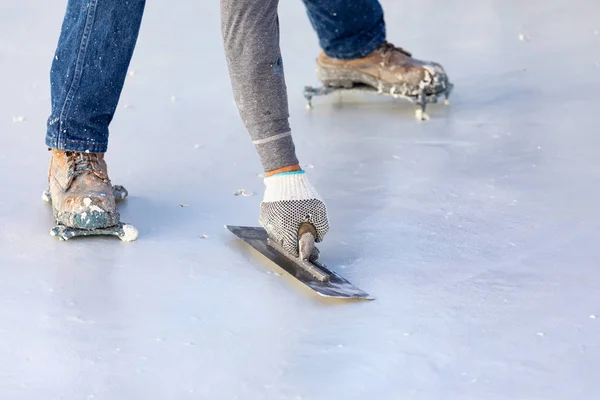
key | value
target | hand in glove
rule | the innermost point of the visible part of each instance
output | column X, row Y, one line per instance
column 290, row 200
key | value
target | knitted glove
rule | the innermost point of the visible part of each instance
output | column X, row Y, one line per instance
column 289, row 201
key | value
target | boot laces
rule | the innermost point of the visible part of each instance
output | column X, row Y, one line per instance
column 387, row 49
column 82, row 163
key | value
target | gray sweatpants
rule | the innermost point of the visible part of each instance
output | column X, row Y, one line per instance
column 251, row 38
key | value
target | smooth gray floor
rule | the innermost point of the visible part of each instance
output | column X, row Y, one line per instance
column 478, row 231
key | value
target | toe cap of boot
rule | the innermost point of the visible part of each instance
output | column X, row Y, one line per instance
column 90, row 212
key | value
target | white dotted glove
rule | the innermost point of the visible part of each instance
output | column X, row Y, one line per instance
column 289, row 201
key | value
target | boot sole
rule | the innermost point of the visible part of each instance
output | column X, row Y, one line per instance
column 347, row 79
column 125, row 232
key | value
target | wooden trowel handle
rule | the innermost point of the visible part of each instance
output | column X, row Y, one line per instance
column 307, row 227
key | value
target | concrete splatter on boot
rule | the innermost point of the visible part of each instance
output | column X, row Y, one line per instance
column 388, row 70
column 83, row 199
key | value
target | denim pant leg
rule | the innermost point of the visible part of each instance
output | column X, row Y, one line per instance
column 89, row 68
column 347, row 29
column 251, row 38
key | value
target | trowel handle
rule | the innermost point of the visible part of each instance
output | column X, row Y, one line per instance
column 307, row 227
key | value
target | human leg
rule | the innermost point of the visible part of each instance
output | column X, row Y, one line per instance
column 355, row 51
column 347, row 31
column 88, row 71
column 87, row 76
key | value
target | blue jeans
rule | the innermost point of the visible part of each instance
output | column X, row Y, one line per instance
column 347, row 29
column 98, row 39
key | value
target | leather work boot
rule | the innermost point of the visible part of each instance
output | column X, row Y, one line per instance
column 387, row 69
column 82, row 195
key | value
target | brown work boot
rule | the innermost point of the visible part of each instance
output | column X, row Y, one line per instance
column 82, row 195
column 387, row 69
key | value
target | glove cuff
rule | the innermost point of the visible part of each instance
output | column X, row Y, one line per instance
column 289, row 186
